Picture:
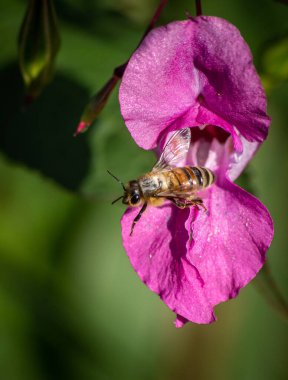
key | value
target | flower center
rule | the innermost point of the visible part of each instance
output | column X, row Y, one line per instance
column 209, row 148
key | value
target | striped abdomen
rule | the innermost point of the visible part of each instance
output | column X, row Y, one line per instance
column 185, row 179
column 190, row 178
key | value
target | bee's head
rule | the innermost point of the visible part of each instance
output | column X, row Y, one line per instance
column 132, row 194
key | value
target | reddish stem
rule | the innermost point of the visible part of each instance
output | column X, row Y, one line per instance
column 119, row 70
column 154, row 19
column 198, row 8
column 99, row 100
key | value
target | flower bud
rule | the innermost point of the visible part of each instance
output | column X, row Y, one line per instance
column 39, row 42
column 95, row 105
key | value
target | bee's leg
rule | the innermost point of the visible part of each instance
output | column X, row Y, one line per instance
column 178, row 203
column 181, row 203
column 138, row 217
column 198, row 202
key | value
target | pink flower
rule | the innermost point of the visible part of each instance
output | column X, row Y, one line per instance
column 199, row 74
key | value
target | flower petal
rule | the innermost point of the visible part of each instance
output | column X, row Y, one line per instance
column 180, row 321
column 190, row 73
column 239, row 160
column 195, row 260
column 223, row 160
column 157, row 251
column 229, row 244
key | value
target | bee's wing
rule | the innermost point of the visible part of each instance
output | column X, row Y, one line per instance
column 175, row 149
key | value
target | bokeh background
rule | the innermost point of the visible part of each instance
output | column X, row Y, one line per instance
column 71, row 306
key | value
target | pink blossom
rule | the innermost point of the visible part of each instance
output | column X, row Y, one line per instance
column 199, row 74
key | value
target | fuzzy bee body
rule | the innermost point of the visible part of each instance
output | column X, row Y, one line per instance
column 182, row 181
column 169, row 180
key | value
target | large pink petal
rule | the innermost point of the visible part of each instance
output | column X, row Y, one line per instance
column 195, row 260
column 191, row 73
column 229, row 244
column 157, row 251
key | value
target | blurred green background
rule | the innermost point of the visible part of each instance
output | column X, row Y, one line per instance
column 71, row 306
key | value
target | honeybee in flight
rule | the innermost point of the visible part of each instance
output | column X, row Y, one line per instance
column 166, row 181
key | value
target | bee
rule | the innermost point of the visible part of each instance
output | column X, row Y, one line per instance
column 167, row 181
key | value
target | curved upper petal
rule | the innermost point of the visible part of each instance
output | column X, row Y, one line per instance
column 190, row 73
column 195, row 260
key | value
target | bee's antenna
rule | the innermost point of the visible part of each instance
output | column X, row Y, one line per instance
column 118, row 180
column 116, row 200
